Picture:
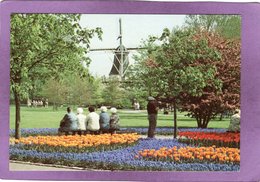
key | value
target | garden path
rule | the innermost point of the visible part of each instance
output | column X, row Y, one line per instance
column 26, row 166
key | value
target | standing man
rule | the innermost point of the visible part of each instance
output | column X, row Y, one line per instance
column 152, row 110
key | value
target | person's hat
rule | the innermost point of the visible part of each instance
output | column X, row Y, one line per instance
column 103, row 108
column 150, row 98
column 237, row 111
column 79, row 110
column 113, row 110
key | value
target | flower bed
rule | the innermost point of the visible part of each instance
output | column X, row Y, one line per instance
column 124, row 153
column 211, row 138
column 76, row 143
column 120, row 159
column 192, row 155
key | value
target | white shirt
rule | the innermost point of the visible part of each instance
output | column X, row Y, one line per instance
column 81, row 121
column 92, row 121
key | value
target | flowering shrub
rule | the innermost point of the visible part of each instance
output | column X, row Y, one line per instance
column 76, row 143
column 192, row 154
column 208, row 139
column 120, row 159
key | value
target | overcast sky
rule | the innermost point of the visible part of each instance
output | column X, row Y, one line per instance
column 135, row 28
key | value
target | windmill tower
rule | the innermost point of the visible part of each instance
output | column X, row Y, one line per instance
column 121, row 60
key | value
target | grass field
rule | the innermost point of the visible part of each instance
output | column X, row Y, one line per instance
column 47, row 118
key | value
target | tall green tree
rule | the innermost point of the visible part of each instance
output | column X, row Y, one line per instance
column 97, row 90
column 44, row 45
column 141, row 77
column 56, row 92
column 177, row 61
column 229, row 26
column 214, row 101
column 172, row 68
column 72, row 89
column 79, row 90
column 113, row 93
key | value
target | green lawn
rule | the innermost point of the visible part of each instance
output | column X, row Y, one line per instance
column 47, row 118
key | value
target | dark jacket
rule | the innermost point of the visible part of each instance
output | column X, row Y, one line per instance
column 152, row 107
column 68, row 123
column 104, row 121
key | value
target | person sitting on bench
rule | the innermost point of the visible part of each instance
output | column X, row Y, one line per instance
column 69, row 122
column 81, row 119
column 104, row 120
column 114, row 121
column 92, row 121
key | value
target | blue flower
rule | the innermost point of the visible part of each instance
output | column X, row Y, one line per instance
column 35, row 131
column 160, row 131
column 121, row 158
column 169, row 130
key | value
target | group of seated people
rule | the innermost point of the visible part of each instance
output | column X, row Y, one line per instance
column 93, row 123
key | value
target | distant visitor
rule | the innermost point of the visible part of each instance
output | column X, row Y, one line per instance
column 234, row 125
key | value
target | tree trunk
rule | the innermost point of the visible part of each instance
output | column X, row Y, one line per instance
column 17, row 115
column 175, row 119
column 54, row 107
column 221, row 117
column 199, row 122
column 203, row 123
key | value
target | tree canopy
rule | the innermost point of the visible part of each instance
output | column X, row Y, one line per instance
column 216, row 101
column 229, row 26
column 44, row 46
column 186, row 66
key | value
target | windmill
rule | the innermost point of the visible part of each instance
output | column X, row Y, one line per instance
column 121, row 56
column 121, row 60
